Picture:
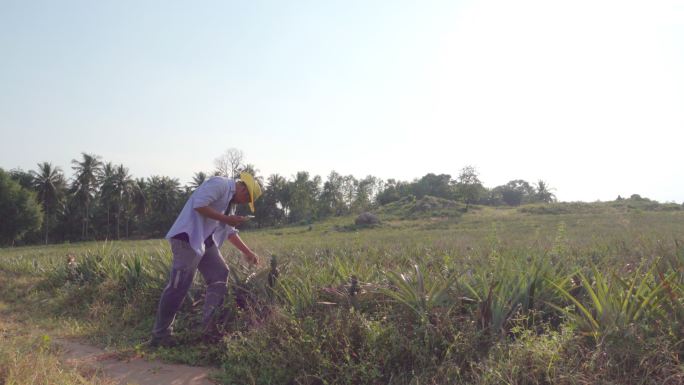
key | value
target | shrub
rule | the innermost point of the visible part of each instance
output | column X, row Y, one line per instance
column 19, row 210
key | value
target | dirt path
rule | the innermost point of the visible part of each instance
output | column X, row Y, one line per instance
column 124, row 369
column 132, row 371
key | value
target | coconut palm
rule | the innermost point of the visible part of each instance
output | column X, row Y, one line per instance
column 197, row 180
column 85, row 185
column 544, row 193
column 251, row 169
column 48, row 181
column 164, row 195
column 138, row 201
column 123, row 187
column 107, row 190
column 278, row 185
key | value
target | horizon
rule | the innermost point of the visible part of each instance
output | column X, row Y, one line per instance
column 585, row 96
column 69, row 179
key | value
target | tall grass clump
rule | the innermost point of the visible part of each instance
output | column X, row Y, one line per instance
column 613, row 304
column 420, row 295
column 510, row 287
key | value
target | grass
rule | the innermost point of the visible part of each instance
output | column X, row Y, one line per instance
column 578, row 293
column 30, row 358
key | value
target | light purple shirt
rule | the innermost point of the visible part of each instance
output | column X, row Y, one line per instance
column 216, row 192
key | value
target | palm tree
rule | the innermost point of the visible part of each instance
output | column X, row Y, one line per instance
column 48, row 181
column 107, row 190
column 138, row 201
column 164, row 194
column 123, row 190
column 85, row 185
column 251, row 169
column 544, row 193
column 197, row 180
column 270, row 208
column 279, row 186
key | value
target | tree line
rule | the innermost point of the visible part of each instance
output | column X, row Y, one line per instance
column 102, row 200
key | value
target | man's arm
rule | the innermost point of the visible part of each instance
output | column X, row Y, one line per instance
column 209, row 212
column 249, row 254
column 232, row 220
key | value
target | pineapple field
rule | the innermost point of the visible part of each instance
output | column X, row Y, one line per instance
column 564, row 293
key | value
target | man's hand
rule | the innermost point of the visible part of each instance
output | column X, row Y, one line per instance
column 252, row 259
column 247, row 253
column 233, row 220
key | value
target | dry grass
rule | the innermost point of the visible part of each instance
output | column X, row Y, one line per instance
column 33, row 359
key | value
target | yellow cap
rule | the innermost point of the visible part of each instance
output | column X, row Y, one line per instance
column 252, row 186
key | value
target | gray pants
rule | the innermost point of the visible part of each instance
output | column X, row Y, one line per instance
column 185, row 264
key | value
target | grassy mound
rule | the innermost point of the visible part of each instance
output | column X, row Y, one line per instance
column 428, row 206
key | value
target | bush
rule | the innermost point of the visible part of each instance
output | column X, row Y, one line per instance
column 334, row 348
column 366, row 219
column 428, row 206
column 19, row 210
column 561, row 208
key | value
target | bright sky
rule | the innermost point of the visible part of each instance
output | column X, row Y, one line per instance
column 587, row 95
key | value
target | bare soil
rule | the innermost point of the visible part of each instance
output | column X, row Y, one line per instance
column 135, row 370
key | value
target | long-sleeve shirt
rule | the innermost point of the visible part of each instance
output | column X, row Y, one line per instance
column 216, row 192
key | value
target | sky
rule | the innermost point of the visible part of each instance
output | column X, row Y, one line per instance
column 585, row 95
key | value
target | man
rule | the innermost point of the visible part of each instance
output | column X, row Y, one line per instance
column 206, row 221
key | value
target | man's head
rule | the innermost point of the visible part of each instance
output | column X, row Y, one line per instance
column 241, row 193
column 247, row 190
